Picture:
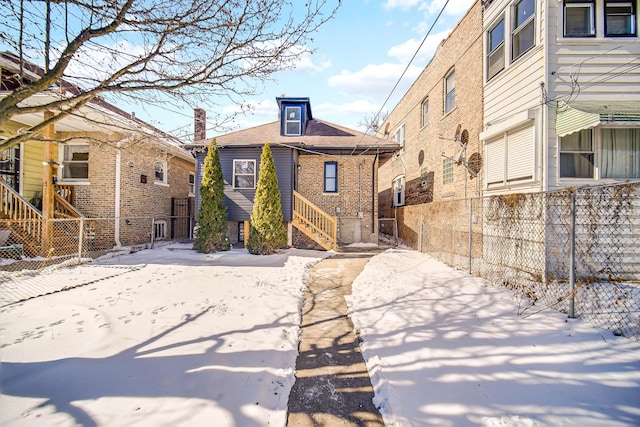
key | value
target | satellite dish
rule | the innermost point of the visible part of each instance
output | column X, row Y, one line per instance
column 458, row 157
column 458, row 129
column 464, row 137
column 474, row 164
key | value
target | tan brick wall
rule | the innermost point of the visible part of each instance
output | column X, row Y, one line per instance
column 422, row 159
column 462, row 51
column 352, row 204
column 139, row 201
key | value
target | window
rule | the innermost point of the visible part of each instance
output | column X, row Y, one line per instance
column 579, row 20
column 523, row 34
column 192, row 183
column 425, row 112
column 244, row 173
column 293, row 121
column 576, row 155
column 620, row 19
column 160, row 169
column 510, row 158
column 398, row 191
column 495, row 49
column 330, row 177
column 450, row 91
column 75, row 162
column 447, row 171
column 399, row 137
column 159, row 230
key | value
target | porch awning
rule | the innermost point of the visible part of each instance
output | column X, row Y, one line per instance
column 586, row 115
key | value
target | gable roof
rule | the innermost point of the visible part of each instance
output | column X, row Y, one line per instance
column 320, row 136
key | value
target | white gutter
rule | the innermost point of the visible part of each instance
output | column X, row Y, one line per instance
column 117, row 199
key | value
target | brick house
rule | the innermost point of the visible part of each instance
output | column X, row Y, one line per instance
column 327, row 176
column 437, row 122
column 105, row 165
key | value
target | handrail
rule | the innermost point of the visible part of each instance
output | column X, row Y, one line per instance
column 67, row 192
column 312, row 216
column 63, row 209
column 14, row 206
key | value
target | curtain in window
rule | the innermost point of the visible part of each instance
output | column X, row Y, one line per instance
column 576, row 155
column 620, row 153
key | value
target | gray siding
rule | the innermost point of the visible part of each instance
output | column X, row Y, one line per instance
column 239, row 202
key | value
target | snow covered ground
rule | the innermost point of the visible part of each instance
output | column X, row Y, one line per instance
column 192, row 339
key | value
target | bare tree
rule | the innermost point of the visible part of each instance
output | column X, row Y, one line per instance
column 372, row 122
column 151, row 51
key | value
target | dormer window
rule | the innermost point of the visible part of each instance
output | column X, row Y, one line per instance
column 293, row 121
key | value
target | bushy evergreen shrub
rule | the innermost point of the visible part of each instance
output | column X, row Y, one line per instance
column 267, row 233
column 211, row 235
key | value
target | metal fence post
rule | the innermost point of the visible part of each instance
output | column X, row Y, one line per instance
column 80, row 237
column 572, row 256
column 153, row 230
column 470, row 232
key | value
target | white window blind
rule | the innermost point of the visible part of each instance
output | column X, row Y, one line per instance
column 495, row 161
column 520, row 154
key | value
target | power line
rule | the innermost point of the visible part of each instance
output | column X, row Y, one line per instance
column 395, row 86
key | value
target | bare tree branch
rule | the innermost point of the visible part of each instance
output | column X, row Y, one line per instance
column 171, row 49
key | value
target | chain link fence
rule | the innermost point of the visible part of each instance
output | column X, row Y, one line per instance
column 576, row 250
column 31, row 247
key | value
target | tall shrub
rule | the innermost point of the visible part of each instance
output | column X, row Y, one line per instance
column 267, row 233
column 212, row 216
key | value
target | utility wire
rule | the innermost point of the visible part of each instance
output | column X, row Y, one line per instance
column 395, row 86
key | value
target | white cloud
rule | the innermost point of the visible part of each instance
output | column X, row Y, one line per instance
column 454, row 8
column 403, row 52
column 400, row 4
column 306, row 63
column 256, row 109
column 358, row 107
column 372, row 80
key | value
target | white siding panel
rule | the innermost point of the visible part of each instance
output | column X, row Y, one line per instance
column 516, row 88
column 520, row 154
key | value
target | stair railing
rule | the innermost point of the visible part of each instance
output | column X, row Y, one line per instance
column 309, row 215
column 13, row 206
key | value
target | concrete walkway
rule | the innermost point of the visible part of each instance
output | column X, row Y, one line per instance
column 332, row 385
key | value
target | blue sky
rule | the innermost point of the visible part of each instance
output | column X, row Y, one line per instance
column 359, row 56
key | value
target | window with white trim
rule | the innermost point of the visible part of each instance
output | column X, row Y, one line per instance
column 75, row 162
column 399, row 136
column 425, row 112
column 293, row 121
column 398, row 191
column 510, row 158
column 160, row 172
column 579, row 18
column 192, row 183
column 619, row 18
column 523, row 28
column 495, row 49
column 244, row 173
column 577, row 155
column 615, row 152
column 449, row 91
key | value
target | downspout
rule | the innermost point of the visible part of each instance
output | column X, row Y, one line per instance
column 373, row 193
column 117, row 199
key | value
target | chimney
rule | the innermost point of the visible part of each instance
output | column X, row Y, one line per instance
column 199, row 125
